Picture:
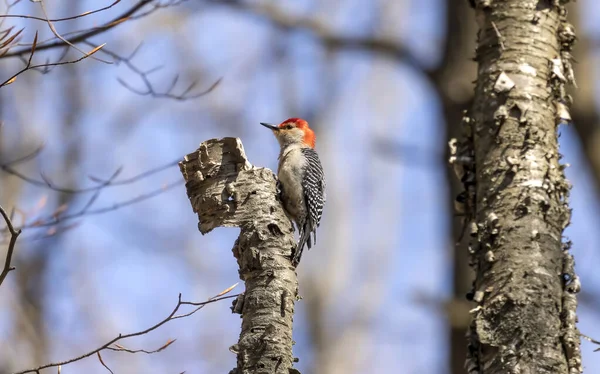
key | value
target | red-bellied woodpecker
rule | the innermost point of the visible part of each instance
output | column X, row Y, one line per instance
column 301, row 179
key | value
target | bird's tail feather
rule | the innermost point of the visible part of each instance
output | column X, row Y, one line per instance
column 304, row 240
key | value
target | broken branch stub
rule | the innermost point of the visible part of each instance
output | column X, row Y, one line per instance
column 225, row 190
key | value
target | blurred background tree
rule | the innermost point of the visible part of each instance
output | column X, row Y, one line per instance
column 383, row 83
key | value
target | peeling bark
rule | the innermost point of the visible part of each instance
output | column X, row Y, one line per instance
column 516, row 194
column 227, row 191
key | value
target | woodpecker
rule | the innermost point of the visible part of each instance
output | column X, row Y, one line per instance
column 301, row 179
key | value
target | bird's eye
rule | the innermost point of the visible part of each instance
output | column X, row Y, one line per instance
column 289, row 127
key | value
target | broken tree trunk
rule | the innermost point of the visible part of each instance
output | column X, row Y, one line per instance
column 227, row 191
column 516, row 193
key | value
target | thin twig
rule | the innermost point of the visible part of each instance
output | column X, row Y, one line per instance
column 96, row 194
column 87, row 33
column 84, row 14
column 120, row 348
column 57, row 218
column 149, row 89
column 8, row 168
column 107, row 345
column 156, row 6
column 29, row 66
column 591, row 341
column 102, row 362
column 14, row 234
column 55, row 32
column 27, row 157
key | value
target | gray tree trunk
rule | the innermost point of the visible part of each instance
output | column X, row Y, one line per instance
column 525, row 286
column 226, row 190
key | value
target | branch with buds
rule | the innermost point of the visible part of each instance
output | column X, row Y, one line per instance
column 225, row 190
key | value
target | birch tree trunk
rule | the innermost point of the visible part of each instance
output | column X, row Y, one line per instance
column 227, row 191
column 516, row 192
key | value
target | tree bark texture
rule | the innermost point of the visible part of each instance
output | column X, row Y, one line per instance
column 226, row 190
column 516, row 194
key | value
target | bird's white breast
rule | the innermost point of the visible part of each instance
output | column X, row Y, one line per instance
column 291, row 165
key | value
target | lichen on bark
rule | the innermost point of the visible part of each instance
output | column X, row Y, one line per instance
column 525, row 287
column 225, row 190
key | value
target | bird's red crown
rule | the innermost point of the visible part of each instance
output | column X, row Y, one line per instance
column 309, row 135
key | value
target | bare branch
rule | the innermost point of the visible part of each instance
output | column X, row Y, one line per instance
column 87, row 33
column 156, row 6
column 96, row 194
column 45, row 69
column 8, row 167
column 57, row 218
column 27, row 157
column 55, row 32
column 120, row 337
column 53, row 220
column 103, row 364
column 84, row 14
column 148, row 87
column 82, row 36
column 14, row 234
column 58, row 215
column 29, row 66
column 120, row 348
column 591, row 341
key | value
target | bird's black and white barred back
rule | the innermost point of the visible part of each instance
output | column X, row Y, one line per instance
column 314, row 196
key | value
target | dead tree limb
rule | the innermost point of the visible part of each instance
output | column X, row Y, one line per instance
column 227, row 191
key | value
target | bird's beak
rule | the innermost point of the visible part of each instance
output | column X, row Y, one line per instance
column 269, row 126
